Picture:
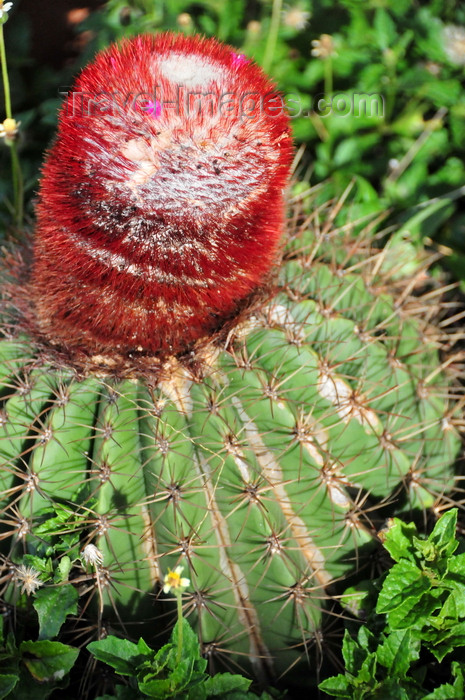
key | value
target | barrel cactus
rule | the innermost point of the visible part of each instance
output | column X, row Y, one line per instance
column 256, row 431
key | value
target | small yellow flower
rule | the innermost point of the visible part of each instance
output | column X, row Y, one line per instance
column 323, row 47
column 174, row 581
column 184, row 20
column 9, row 129
column 254, row 27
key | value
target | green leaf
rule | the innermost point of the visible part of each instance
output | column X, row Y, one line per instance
column 402, row 589
column 415, row 614
column 398, row 540
column 121, row 654
column 392, row 689
column 449, row 611
column 338, row 686
column 352, row 654
column 7, row 683
column 366, row 638
column 48, row 661
column 223, row 683
column 443, row 93
column 359, row 599
column 367, row 672
column 64, row 567
column 423, row 221
column 385, row 29
column 190, row 641
column 397, row 652
column 443, row 535
column 447, row 640
column 457, row 567
column 180, row 676
column 53, row 605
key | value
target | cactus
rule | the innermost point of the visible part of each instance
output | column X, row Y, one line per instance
column 163, row 206
column 263, row 456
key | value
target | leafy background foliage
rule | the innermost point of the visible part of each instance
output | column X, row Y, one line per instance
column 415, row 621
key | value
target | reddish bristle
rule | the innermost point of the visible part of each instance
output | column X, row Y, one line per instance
column 155, row 221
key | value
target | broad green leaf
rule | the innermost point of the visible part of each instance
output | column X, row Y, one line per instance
column 391, row 689
column 162, row 658
column 414, row 614
column 352, row 654
column 443, row 93
column 367, row 672
column 337, row 686
column 458, row 592
column 444, row 533
column 385, row 29
column 7, row 683
column 398, row 540
column 403, row 588
column 223, row 683
column 448, row 613
column 366, row 638
column 53, row 605
column 457, row 567
column 144, row 648
column 182, row 674
column 447, row 641
column 358, row 599
column 190, row 641
column 397, row 652
column 48, row 661
column 124, row 656
column 64, row 567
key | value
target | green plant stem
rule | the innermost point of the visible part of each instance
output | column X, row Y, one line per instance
column 6, row 81
column 18, row 186
column 328, row 68
column 179, row 604
column 272, row 34
column 17, row 176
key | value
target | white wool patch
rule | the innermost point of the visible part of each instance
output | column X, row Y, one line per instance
column 191, row 71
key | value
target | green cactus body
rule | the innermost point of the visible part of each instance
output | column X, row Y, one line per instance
column 262, row 478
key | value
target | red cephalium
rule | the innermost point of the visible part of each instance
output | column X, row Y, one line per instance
column 161, row 201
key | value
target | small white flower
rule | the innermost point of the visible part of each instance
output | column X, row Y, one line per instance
column 323, row 47
column 453, row 37
column 174, row 581
column 92, row 555
column 296, row 18
column 9, row 128
column 5, row 7
column 28, row 578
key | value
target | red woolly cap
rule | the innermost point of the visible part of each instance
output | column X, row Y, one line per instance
column 161, row 201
